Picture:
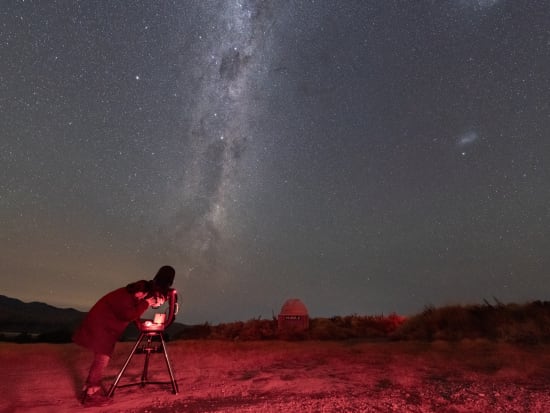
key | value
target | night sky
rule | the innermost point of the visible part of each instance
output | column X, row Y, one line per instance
column 367, row 157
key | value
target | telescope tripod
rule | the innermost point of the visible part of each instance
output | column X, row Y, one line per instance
column 148, row 347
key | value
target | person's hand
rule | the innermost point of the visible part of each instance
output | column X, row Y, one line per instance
column 155, row 302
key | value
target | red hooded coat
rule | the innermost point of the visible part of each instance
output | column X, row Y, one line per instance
column 107, row 320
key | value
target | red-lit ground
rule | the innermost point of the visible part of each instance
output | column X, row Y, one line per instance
column 290, row 377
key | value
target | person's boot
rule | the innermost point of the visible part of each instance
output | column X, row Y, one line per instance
column 94, row 397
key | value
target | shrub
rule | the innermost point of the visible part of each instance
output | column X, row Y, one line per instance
column 195, row 332
column 58, row 336
column 528, row 323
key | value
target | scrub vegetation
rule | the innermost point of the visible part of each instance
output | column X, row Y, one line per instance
column 514, row 323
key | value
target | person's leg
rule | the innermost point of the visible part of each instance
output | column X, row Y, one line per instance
column 93, row 382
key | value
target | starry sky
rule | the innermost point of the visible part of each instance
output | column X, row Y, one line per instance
column 367, row 157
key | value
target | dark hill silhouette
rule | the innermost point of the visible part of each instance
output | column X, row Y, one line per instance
column 48, row 323
column 35, row 317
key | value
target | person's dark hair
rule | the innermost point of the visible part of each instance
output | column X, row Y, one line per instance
column 147, row 287
column 140, row 286
column 164, row 278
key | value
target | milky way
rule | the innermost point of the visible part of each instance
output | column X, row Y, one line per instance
column 231, row 62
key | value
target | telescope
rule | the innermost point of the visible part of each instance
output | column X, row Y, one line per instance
column 161, row 321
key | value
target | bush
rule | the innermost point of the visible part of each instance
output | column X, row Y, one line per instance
column 58, row 336
column 195, row 332
column 528, row 323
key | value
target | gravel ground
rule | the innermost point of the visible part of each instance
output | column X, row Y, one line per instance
column 290, row 377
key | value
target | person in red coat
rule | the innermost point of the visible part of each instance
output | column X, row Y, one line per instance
column 105, row 323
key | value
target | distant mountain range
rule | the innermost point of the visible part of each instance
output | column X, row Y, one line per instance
column 35, row 317
column 52, row 323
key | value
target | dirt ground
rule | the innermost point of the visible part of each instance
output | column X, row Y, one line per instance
column 282, row 376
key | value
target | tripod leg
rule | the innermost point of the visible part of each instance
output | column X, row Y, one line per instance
column 148, row 349
column 175, row 389
column 121, row 372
